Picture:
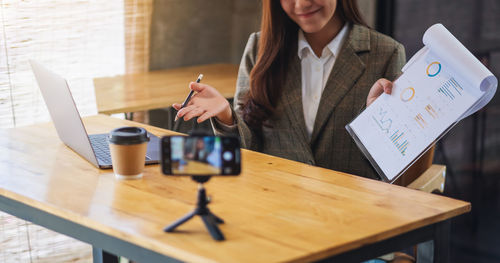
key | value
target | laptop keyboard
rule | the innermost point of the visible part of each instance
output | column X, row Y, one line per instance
column 100, row 145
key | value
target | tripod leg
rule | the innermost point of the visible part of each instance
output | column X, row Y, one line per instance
column 179, row 222
column 212, row 227
column 217, row 219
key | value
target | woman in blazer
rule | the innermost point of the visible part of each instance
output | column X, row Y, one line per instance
column 310, row 70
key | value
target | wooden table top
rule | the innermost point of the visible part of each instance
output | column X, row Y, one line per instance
column 161, row 88
column 276, row 210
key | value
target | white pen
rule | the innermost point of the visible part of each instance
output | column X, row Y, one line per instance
column 186, row 101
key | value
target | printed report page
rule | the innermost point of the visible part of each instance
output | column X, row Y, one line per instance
column 425, row 101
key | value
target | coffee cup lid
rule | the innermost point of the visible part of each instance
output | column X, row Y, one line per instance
column 128, row 135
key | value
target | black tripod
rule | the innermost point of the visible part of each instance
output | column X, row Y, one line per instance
column 202, row 210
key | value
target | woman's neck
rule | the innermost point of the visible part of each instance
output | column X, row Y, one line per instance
column 318, row 40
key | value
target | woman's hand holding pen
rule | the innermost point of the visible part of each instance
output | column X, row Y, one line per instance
column 380, row 86
column 206, row 103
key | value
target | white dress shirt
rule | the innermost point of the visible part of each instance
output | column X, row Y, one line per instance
column 315, row 72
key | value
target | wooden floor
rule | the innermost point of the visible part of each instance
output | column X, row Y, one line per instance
column 22, row 242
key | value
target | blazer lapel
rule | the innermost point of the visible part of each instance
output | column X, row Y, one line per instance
column 347, row 69
column 292, row 99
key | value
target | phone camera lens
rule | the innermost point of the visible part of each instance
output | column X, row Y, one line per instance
column 228, row 156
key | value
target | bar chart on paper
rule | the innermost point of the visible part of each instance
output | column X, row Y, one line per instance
column 398, row 141
column 451, row 89
column 430, row 110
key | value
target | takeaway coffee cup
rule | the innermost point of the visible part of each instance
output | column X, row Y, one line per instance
column 128, row 147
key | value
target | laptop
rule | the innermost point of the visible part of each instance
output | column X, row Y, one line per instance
column 94, row 148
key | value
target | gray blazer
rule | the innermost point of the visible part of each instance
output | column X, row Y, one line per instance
column 364, row 57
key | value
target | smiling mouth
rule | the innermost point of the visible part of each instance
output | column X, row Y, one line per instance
column 309, row 14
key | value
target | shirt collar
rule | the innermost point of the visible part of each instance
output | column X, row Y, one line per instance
column 334, row 45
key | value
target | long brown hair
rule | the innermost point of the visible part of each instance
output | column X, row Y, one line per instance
column 278, row 38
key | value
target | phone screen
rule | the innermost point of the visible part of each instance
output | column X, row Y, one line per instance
column 200, row 155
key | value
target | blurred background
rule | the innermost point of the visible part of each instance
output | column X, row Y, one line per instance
column 85, row 39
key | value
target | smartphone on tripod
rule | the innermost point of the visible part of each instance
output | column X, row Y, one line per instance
column 199, row 155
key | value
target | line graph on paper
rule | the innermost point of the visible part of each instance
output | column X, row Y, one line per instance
column 383, row 121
